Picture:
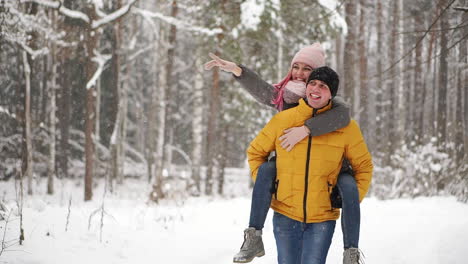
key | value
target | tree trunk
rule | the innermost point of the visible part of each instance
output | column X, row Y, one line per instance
column 64, row 115
column 338, row 53
column 170, row 92
column 68, row 60
column 418, row 86
column 52, row 117
column 197, row 127
column 223, row 157
column 393, row 84
column 32, row 9
column 91, row 40
column 211, row 130
column 443, row 79
column 380, row 87
column 350, row 63
column 400, row 91
column 27, row 156
column 115, row 148
column 123, row 126
column 429, row 87
column 409, row 101
column 461, row 136
column 123, row 97
column 44, row 91
column 161, row 116
column 463, row 45
column 139, row 137
column 116, row 139
column 153, row 108
column 141, row 116
column 158, row 118
column 364, row 92
column 34, row 66
column 279, row 72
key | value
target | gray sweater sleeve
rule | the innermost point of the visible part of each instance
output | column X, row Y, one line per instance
column 262, row 91
column 337, row 117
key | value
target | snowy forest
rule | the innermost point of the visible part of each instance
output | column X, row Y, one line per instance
column 110, row 97
column 115, row 89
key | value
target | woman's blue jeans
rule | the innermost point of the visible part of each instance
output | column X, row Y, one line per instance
column 261, row 194
column 301, row 243
column 350, row 214
column 350, row 211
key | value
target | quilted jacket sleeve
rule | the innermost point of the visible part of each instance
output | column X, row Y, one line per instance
column 358, row 155
column 261, row 146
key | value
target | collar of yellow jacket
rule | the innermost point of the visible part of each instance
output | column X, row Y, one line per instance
column 305, row 109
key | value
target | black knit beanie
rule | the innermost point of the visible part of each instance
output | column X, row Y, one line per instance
column 328, row 76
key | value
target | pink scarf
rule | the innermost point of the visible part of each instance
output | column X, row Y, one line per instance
column 279, row 88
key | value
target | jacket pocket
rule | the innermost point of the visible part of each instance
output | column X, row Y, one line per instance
column 283, row 191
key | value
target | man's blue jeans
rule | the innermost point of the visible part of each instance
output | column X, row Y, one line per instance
column 350, row 214
column 301, row 243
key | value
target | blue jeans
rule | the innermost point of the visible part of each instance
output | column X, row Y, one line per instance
column 351, row 210
column 301, row 243
column 261, row 194
column 350, row 214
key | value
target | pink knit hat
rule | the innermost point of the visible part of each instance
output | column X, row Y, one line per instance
column 312, row 55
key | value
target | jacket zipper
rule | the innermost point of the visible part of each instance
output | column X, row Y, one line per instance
column 306, row 189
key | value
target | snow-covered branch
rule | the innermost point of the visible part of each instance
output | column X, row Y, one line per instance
column 134, row 55
column 182, row 153
column 461, row 8
column 63, row 10
column 182, row 25
column 114, row 15
column 5, row 111
column 101, row 60
column 34, row 53
column 82, row 16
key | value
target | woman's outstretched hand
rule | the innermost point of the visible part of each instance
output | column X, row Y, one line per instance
column 224, row 65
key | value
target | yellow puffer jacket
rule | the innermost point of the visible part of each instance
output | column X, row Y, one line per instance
column 309, row 171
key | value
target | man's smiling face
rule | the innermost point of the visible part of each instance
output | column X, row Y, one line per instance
column 318, row 94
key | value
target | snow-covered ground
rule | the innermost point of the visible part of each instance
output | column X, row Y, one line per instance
column 209, row 229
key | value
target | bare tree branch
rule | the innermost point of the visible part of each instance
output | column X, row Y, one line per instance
column 114, row 15
column 453, row 45
column 461, row 25
column 419, row 41
column 63, row 10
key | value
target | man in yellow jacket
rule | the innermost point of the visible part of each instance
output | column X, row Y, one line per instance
column 304, row 219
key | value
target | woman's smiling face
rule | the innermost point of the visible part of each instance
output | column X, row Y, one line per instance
column 300, row 71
